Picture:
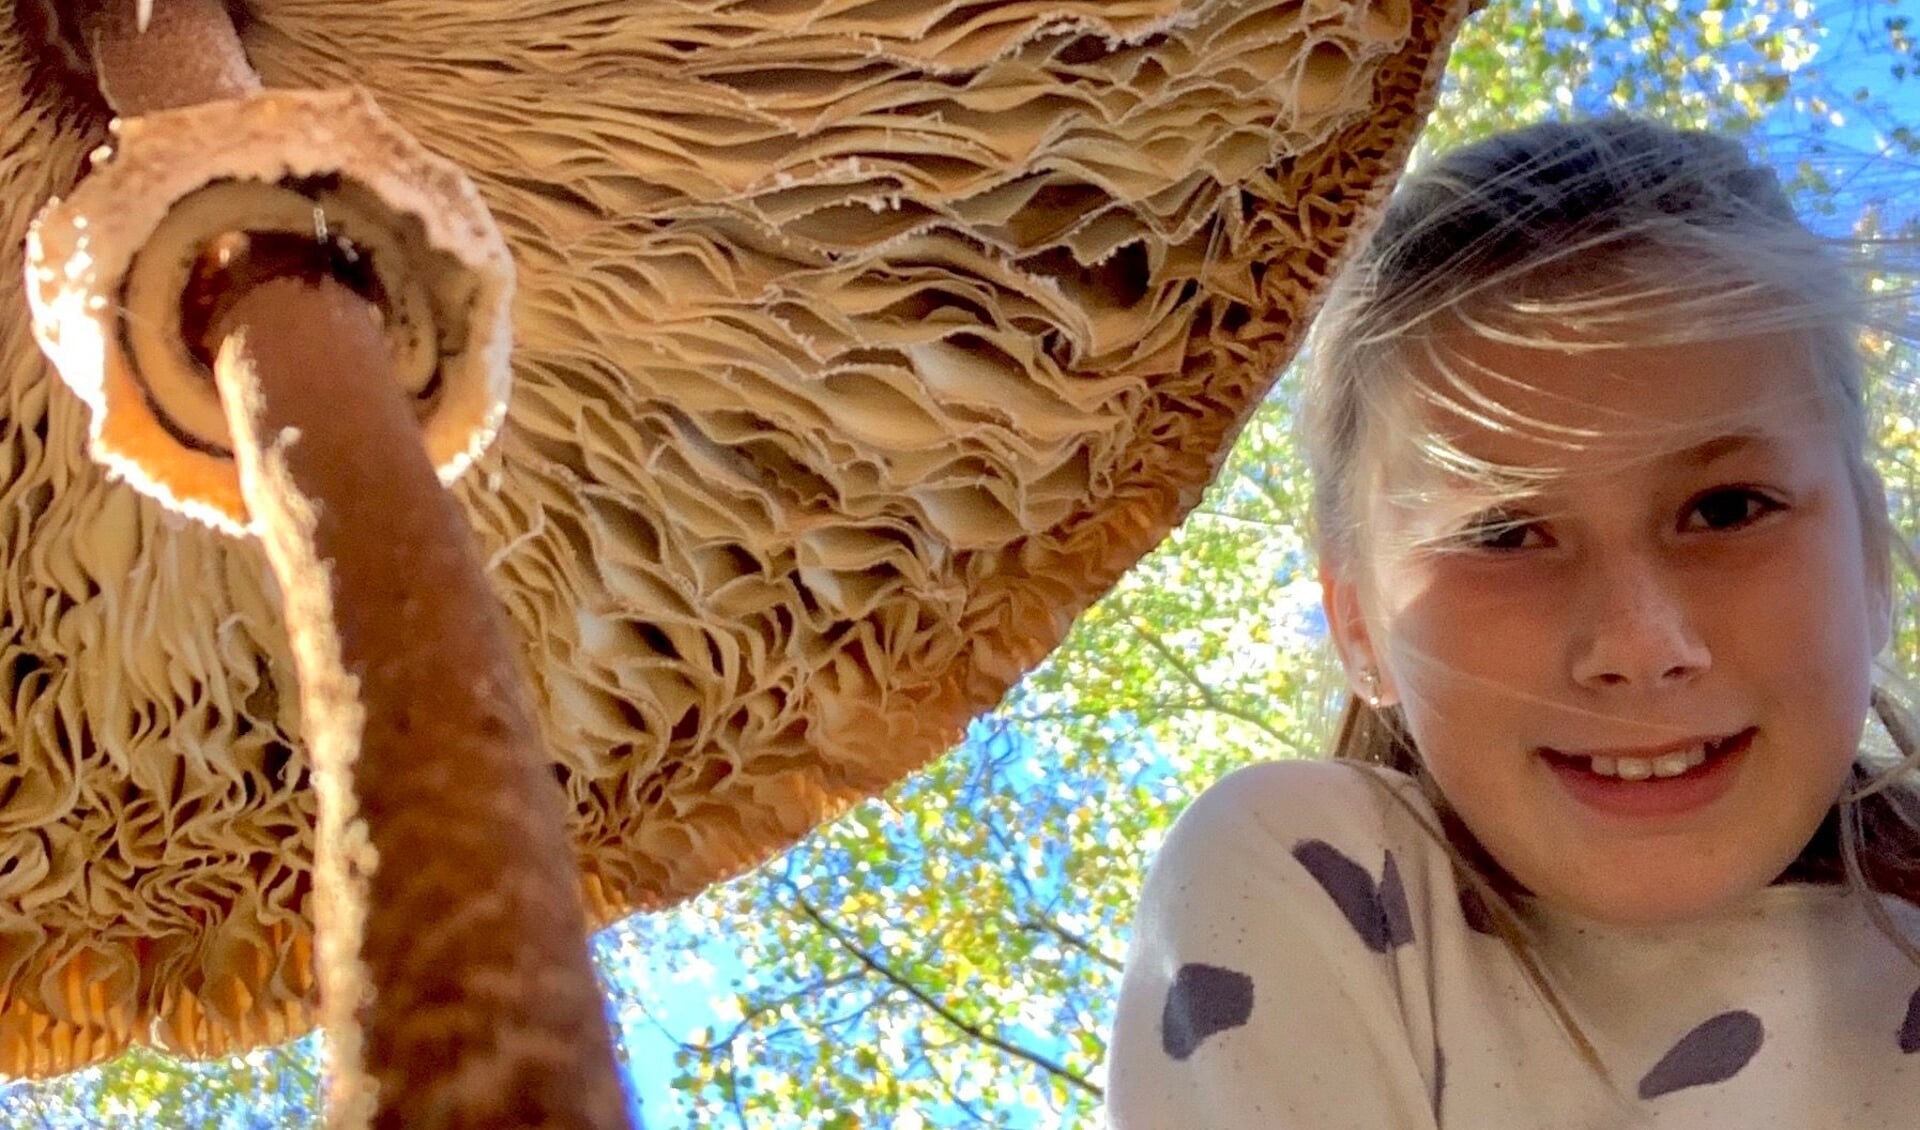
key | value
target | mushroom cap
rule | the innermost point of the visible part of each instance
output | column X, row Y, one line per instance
column 859, row 347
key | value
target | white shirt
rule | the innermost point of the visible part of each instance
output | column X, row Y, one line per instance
column 1301, row 960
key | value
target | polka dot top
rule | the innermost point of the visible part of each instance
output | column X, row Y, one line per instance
column 1302, row 960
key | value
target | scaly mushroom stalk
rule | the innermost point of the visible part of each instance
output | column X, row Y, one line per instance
column 454, row 976
column 152, row 57
column 482, row 1007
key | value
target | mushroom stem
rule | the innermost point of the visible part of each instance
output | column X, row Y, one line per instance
column 440, row 821
column 187, row 53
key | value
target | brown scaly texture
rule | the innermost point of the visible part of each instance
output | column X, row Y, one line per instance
column 861, row 347
column 452, row 943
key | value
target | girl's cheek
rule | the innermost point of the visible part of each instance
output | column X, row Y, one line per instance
column 1495, row 595
column 1480, row 626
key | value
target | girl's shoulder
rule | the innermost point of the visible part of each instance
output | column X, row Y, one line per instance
column 1285, row 941
column 1345, row 803
column 1337, row 843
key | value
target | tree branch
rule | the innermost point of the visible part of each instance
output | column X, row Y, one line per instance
column 1073, row 940
column 972, row 1110
column 934, row 1005
column 1207, row 694
column 747, row 1018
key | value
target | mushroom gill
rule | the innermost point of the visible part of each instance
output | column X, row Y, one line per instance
column 859, row 347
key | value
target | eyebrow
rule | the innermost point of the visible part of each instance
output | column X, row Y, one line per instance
column 1719, row 447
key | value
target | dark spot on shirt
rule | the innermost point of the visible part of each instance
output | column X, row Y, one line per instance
column 1378, row 913
column 1203, row 1001
column 1713, row 1052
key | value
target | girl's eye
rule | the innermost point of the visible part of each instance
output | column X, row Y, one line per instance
column 1730, row 508
column 1500, row 530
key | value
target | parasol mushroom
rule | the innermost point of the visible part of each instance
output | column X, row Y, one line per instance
column 346, row 295
column 858, row 348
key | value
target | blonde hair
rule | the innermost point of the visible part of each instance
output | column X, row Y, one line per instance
column 1587, row 225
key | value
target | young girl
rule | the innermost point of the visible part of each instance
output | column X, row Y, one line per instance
column 1608, row 841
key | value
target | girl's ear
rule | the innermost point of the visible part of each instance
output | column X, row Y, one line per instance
column 1347, row 625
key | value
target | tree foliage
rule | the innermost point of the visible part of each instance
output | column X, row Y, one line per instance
column 265, row 1089
column 948, row 955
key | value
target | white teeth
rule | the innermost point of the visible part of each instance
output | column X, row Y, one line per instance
column 1641, row 768
column 1675, row 764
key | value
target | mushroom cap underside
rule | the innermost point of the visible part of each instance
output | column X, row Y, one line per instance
column 858, row 349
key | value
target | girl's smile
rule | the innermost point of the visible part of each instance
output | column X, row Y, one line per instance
column 1648, row 785
column 1641, row 680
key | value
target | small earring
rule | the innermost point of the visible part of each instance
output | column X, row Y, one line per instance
column 1370, row 687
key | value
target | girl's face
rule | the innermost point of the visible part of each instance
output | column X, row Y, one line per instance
column 1690, row 582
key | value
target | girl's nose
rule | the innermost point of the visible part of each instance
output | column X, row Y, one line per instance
column 1636, row 628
